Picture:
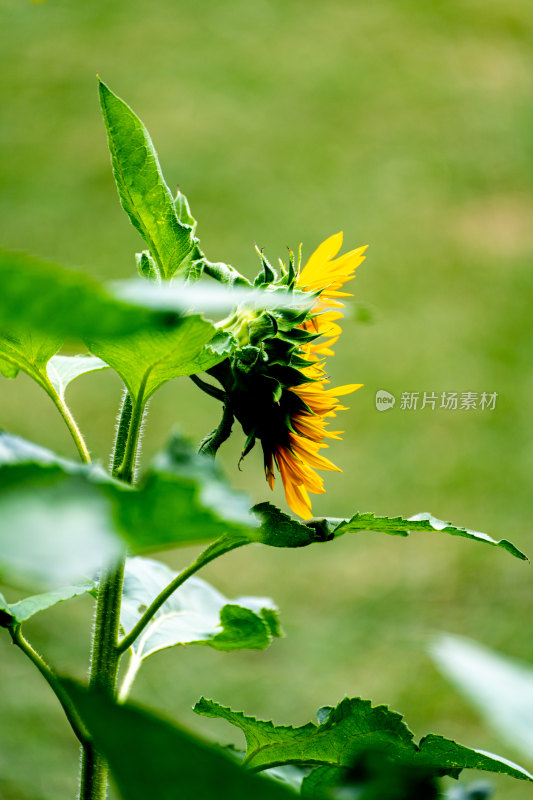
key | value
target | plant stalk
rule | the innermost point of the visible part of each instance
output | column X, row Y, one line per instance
column 70, row 422
column 50, row 677
column 216, row 549
column 105, row 655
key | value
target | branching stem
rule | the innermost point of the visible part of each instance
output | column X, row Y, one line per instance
column 52, row 680
column 216, row 549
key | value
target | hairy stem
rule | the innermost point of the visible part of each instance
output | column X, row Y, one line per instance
column 69, row 420
column 105, row 655
column 51, row 678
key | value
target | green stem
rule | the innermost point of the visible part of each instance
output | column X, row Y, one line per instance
column 50, row 677
column 70, row 422
column 124, row 468
column 216, row 549
column 105, row 655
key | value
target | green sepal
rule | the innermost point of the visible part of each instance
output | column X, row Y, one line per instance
column 268, row 274
column 146, row 266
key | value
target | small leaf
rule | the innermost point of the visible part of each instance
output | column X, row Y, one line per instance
column 56, row 520
column 24, row 609
column 146, row 266
column 196, row 613
column 62, row 370
column 150, row 757
column 183, row 211
column 501, row 688
column 345, row 733
column 144, row 195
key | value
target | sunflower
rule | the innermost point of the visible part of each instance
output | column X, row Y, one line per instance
column 276, row 380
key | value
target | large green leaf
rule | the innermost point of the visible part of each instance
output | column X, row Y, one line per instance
column 11, row 613
column 56, row 523
column 500, row 687
column 196, row 613
column 144, row 195
column 145, row 361
column 50, row 300
column 345, row 732
column 150, row 757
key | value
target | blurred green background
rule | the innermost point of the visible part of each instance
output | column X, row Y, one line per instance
column 405, row 124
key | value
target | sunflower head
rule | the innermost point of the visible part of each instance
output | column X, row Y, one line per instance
column 276, row 378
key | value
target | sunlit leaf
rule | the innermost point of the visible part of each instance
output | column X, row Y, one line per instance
column 146, row 361
column 62, row 370
column 206, row 296
column 58, row 303
column 345, row 732
column 150, row 757
column 24, row 609
column 56, row 523
column 196, row 613
column 500, row 687
column 29, row 352
column 144, row 195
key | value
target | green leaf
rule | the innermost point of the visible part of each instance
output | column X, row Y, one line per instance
column 280, row 530
column 146, row 361
column 184, row 499
column 24, row 609
column 150, row 757
column 62, row 370
column 423, row 522
column 144, row 195
column 501, row 688
column 56, row 519
column 347, row 731
column 196, row 613
column 50, row 300
column 205, row 296
column 29, row 352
